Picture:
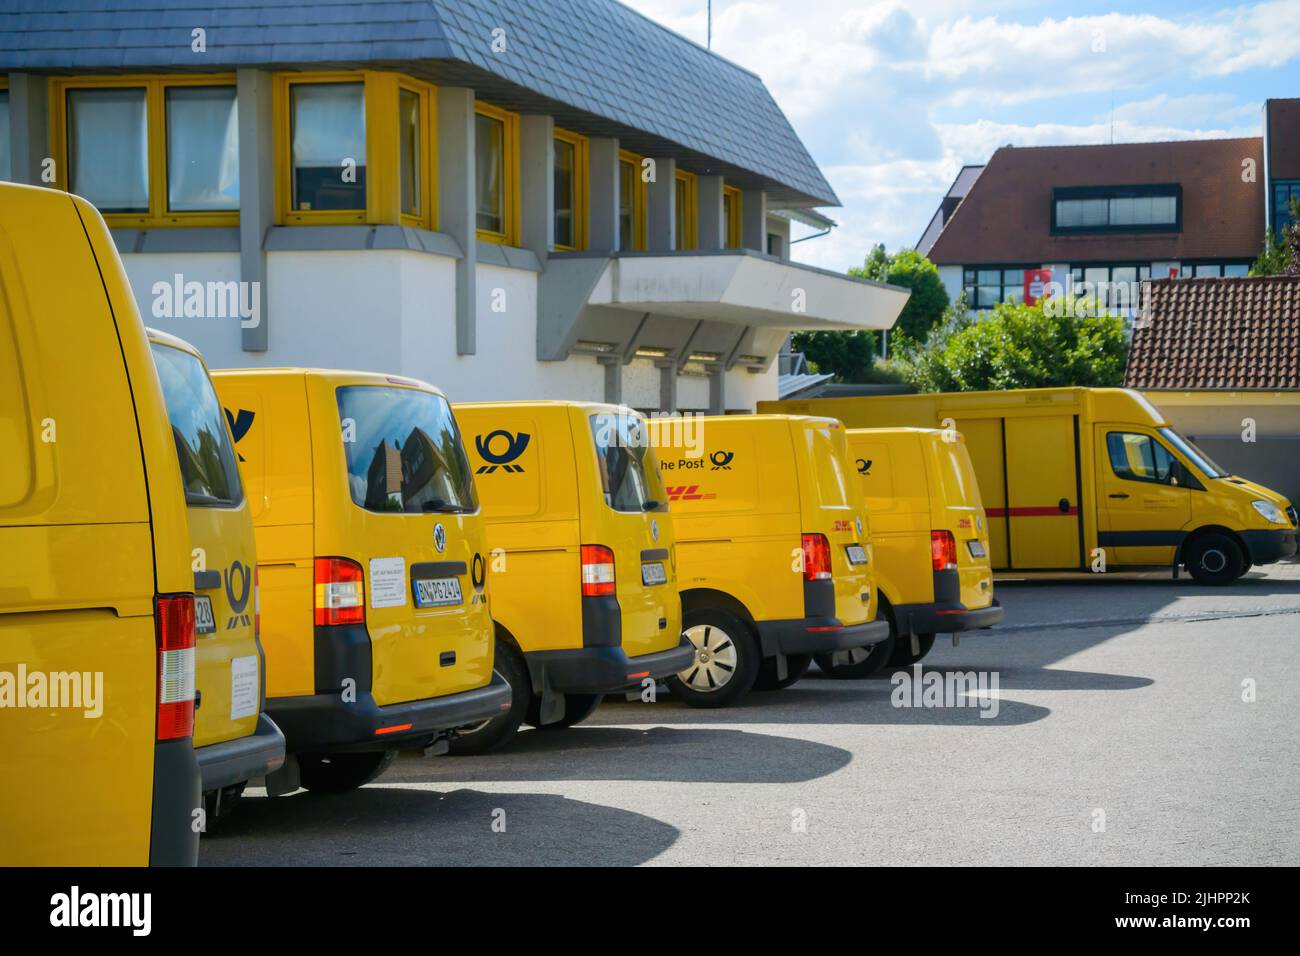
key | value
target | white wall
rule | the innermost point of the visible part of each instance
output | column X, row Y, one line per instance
column 951, row 277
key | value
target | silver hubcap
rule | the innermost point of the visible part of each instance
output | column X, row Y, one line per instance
column 854, row 655
column 715, row 659
column 1214, row 561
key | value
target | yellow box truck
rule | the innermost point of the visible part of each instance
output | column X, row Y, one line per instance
column 1090, row 479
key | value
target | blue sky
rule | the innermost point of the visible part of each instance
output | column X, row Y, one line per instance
column 893, row 97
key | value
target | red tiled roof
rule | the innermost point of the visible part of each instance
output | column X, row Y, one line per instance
column 1219, row 334
column 1007, row 215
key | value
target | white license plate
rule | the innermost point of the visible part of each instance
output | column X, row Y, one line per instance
column 857, row 554
column 204, row 622
column 438, row 592
column 652, row 572
column 976, row 548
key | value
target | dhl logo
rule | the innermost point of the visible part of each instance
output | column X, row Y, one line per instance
column 687, row 493
column 843, row 526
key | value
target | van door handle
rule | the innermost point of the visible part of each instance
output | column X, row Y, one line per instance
column 1064, row 505
column 1119, row 495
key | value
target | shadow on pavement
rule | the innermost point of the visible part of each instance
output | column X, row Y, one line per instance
column 590, row 751
column 390, row 825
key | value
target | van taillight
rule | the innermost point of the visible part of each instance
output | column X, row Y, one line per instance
column 340, row 593
column 257, row 602
column 174, row 627
column 943, row 550
column 597, row 570
column 816, row 558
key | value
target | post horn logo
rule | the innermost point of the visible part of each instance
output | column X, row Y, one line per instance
column 721, row 460
column 238, row 579
column 478, row 576
column 864, row 466
column 515, row 445
column 240, row 422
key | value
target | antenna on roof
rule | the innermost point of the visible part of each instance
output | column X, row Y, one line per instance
column 710, row 17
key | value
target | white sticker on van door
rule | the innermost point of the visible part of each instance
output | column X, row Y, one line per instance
column 245, row 689
column 387, row 582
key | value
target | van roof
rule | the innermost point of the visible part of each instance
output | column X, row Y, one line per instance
column 553, row 403
column 339, row 375
column 764, row 417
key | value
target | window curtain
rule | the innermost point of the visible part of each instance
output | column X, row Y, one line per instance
column 489, row 146
column 202, row 149
column 108, row 148
column 329, row 124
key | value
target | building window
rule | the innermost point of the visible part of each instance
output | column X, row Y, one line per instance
column 410, row 139
column 774, row 245
column 496, row 173
column 327, row 135
column 685, row 237
column 731, row 216
column 1214, row 270
column 986, row 287
column 150, row 151
column 202, row 148
column 6, row 148
column 570, row 191
column 1284, row 191
column 1156, row 208
column 631, row 203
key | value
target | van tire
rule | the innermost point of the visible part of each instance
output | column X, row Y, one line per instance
column 877, row 657
column 796, row 666
column 1214, row 559
column 903, row 656
column 577, row 708
column 740, row 637
column 500, row 730
column 341, row 772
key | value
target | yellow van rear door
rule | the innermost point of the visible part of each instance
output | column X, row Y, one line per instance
column 1043, row 488
column 78, row 653
column 408, row 514
column 833, row 507
column 227, row 666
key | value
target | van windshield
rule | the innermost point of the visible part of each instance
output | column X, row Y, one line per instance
column 207, row 458
column 404, row 451
column 1193, row 454
column 629, row 473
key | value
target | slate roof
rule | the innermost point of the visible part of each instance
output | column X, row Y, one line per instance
column 599, row 66
column 1238, row 334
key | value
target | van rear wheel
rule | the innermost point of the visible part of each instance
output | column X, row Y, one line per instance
column 904, row 656
column 857, row 662
column 726, row 659
column 1215, row 559
column 577, row 708
column 498, row 731
column 796, row 665
column 338, row 773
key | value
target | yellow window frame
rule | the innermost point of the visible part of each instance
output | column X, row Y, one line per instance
column 428, row 150
column 581, row 186
column 510, row 179
column 687, row 236
column 733, row 216
column 639, row 195
column 155, row 88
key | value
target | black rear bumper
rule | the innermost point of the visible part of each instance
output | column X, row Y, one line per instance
column 818, row 635
column 173, row 838
column 244, row 758
column 946, row 617
column 602, row 670
column 326, row 723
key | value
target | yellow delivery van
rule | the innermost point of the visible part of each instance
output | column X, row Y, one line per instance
column 929, row 543
column 584, row 585
column 1092, row 478
column 773, row 553
column 96, row 594
column 371, row 555
column 234, row 740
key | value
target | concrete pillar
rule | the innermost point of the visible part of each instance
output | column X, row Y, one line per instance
column 29, row 127
column 456, row 203
column 613, row 378
column 667, row 385
column 603, row 195
column 711, row 231
column 718, row 390
column 537, row 184
column 753, row 220
column 256, row 193
column 661, row 207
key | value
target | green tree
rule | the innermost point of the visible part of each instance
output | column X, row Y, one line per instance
column 1018, row 346
column 846, row 355
column 1281, row 255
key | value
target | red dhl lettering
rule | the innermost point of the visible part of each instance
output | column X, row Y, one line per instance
column 843, row 526
column 687, row 493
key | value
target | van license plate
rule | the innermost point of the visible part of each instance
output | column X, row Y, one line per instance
column 438, row 592
column 857, row 554
column 204, row 622
column 976, row 548
column 652, row 572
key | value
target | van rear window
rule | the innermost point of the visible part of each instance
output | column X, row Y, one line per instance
column 207, row 457
column 629, row 473
column 404, row 451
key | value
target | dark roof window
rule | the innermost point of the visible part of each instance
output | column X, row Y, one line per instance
column 1092, row 209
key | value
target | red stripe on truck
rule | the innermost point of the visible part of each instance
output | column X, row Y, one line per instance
column 1047, row 512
